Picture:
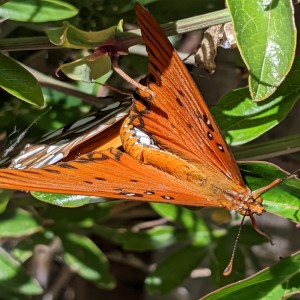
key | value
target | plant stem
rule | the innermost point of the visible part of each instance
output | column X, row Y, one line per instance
column 276, row 147
column 128, row 38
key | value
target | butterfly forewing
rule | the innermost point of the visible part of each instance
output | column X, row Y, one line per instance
column 197, row 134
column 58, row 144
column 110, row 173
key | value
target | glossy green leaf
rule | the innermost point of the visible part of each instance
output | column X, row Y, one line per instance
column 37, row 10
column 276, row 282
column 17, row 81
column 266, row 37
column 67, row 200
column 243, row 120
column 93, row 66
column 68, row 36
column 14, row 278
column 284, row 198
column 86, row 259
column 87, row 69
column 18, row 223
column 174, row 269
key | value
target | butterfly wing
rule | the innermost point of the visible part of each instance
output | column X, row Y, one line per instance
column 110, row 173
column 59, row 144
column 177, row 117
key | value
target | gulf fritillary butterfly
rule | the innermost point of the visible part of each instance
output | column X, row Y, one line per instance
column 173, row 149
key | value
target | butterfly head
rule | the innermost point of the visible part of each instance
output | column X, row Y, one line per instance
column 244, row 201
column 251, row 205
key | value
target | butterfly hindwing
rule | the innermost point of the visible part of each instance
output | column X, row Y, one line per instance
column 56, row 145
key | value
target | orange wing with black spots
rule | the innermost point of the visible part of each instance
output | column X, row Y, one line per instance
column 110, row 173
column 194, row 133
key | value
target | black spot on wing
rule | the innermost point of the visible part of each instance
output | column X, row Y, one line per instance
column 208, row 123
column 48, row 170
column 117, row 154
column 220, row 147
column 180, row 92
column 100, row 178
column 67, row 166
column 210, row 136
column 88, row 182
column 198, row 115
column 179, row 101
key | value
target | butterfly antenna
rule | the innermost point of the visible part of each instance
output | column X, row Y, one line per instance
column 229, row 267
column 259, row 192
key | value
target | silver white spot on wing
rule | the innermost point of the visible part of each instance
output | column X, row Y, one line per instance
column 111, row 106
column 24, row 154
column 56, row 158
column 82, row 122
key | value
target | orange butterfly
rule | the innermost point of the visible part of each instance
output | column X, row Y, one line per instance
column 174, row 151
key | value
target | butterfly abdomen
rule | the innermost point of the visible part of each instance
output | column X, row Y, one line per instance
column 142, row 147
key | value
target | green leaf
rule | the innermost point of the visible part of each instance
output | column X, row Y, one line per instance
column 69, row 36
column 23, row 250
column 174, row 269
column 17, row 81
column 152, row 239
column 37, row 10
column 283, row 199
column 67, row 200
column 84, row 217
column 275, row 282
column 192, row 223
column 87, row 69
column 4, row 199
column 18, row 223
column 266, row 37
column 14, row 278
column 243, row 120
column 86, row 259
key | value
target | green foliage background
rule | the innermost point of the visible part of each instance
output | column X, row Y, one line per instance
column 84, row 239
